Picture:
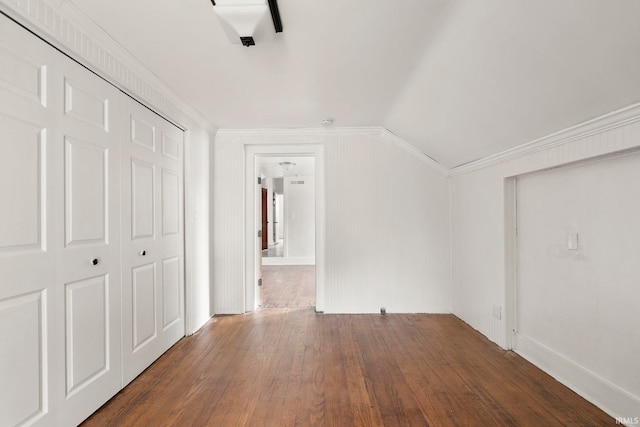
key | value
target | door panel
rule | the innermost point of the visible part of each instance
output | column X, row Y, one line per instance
column 28, row 167
column 88, row 289
column 170, row 147
column 23, row 359
column 144, row 305
column 87, row 328
column 143, row 133
column 143, row 203
column 152, row 233
column 170, row 202
column 85, row 105
column 20, row 73
column 171, row 291
column 86, row 193
column 22, row 226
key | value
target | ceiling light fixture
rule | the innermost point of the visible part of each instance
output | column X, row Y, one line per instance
column 246, row 21
column 287, row 166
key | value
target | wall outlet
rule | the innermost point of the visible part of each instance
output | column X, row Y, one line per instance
column 497, row 312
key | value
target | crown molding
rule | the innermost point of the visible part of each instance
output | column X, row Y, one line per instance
column 616, row 119
column 302, row 132
column 606, row 122
column 65, row 27
column 384, row 133
column 428, row 160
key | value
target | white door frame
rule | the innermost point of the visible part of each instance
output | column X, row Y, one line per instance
column 511, row 261
column 251, row 266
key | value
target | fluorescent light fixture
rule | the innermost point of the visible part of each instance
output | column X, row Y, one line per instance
column 247, row 21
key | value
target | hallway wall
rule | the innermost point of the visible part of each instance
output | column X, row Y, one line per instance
column 387, row 227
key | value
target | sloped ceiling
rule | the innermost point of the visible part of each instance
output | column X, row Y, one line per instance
column 458, row 79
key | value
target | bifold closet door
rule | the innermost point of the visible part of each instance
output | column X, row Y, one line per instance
column 59, row 211
column 152, row 238
column 89, row 266
column 28, row 207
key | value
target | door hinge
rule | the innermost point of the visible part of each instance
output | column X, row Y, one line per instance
column 259, row 233
column 259, row 180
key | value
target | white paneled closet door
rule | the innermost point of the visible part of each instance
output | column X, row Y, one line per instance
column 59, row 211
column 89, row 266
column 152, row 238
column 29, row 157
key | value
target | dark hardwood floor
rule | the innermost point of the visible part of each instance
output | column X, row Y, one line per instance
column 292, row 367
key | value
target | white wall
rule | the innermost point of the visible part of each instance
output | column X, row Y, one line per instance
column 197, row 225
column 580, row 302
column 62, row 25
column 479, row 212
column 372, row 179
column 299, row 211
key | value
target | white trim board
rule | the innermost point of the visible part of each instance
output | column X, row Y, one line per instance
column 401, row 143
column 607, row 396
column 606, row 122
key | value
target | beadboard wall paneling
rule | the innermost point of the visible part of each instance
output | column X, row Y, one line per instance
column 228, row 226
column 386, row 230
column 387, row 241
column 197, row 227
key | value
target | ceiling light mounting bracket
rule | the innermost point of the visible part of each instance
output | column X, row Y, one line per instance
column 275, row 15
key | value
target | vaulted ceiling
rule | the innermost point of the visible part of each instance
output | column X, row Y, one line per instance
column 458, row 79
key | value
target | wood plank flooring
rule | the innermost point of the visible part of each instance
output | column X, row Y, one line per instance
column 292, row 367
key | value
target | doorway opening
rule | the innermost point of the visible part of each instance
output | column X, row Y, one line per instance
column 284, row 227
column 288, row 231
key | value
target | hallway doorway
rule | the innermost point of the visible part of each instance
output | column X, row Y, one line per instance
column 298, row 226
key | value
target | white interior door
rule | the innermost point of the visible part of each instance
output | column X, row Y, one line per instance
column 28, row 155
column 152, row 237
column 88, row 291
column 59, row 313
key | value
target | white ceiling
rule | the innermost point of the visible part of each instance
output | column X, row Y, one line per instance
column 458, row 79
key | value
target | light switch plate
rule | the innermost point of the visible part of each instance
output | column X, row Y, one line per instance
column 497, row 312
column 572, row 241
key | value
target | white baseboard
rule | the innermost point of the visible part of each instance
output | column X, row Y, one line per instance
column 287, row 261
column 607, row 396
